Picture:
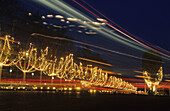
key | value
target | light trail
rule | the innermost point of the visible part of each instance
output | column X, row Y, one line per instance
column 103, row 71
column 94, row 61
column 66, row 7
column 67, row 10
column 98, row 47
column 121, row 27
column 10, row 40
column 139, row 72
column 144, row 77
column 121, row 31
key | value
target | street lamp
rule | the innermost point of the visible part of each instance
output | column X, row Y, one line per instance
column 32, row 74
column 52, row 78
column 10, row 71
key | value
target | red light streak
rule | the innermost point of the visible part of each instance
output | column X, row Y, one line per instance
column 121, row 27
column 151, row 47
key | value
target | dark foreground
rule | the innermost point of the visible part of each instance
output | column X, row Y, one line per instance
column 52, row 101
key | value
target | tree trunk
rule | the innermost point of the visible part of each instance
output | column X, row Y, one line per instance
column 1, row 71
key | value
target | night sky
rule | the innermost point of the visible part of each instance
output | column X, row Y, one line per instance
column 149, row 20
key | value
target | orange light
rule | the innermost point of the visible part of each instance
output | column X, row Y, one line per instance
column 94, row 61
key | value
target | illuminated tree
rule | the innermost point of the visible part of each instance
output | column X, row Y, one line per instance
column 7, row 55
column 27, row 60
column 152, row 69
column 66, row 68
column 97, row 77
column 62, row 69
column 153, row 82
column 51, row 68
column 42, row 62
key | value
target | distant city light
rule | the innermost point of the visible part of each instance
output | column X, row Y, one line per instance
column 59, row 16
column 73, row 19
column 67, row 22
column 49, row 16
column 29, row 14
column 45, row 23
column 62, row 20
column 43, row 17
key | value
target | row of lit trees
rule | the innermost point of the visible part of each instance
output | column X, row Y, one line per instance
column 65, row 68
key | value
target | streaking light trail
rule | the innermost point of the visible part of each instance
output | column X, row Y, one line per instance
column 88, row 45
column 94, row 61
column 69, row 11
column 168, row 55
column 122, row 28
column 94, row 46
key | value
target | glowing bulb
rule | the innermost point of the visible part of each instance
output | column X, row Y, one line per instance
column 43, row 17
column 10, row 70
column 70, row 88
column 65, row 88
column 27, row 54
column 29, row 14
column 59, row 16
column 32, row 74
column 49, row 16
column 78, row 88
column 54, row 88
column 91, row 90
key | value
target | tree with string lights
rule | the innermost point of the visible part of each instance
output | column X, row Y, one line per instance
column 27, row 60
column 7, row 55
column 42, row 62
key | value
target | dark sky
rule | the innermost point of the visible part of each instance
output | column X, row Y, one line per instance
column 147, row 19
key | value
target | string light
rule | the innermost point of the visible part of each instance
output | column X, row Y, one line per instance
column 5, row 54
column 150, row 83
column 42, row 62
column 27, row 60
column 65, row 68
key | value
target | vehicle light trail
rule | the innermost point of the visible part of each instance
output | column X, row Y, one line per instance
column 121, row 27
column 121, row 31
column 65, row 8
column 94, row 46
column 94, row 61
column 98, row 47
column 69, row 11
